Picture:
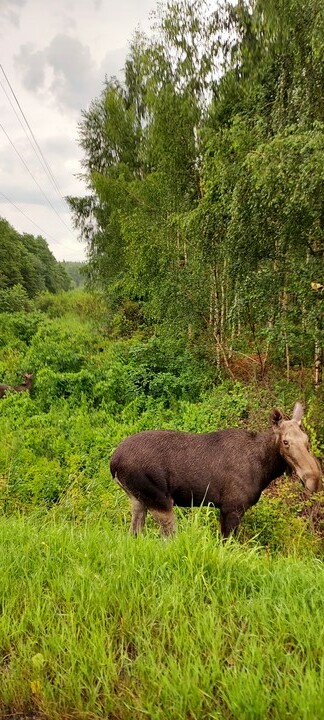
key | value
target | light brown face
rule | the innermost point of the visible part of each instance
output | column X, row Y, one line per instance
column 293, row 445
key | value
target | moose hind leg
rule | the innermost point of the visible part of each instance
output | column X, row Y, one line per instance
column 166, row 521
column 138, row 516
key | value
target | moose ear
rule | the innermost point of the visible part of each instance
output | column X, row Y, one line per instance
column 276, row 416
column 298, row 412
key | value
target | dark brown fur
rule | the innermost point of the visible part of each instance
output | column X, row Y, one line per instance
column 228, row 468
column 23, row 387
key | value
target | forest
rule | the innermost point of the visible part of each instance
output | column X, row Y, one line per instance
column 204, row 171
column 202, row 309
column 27, row 267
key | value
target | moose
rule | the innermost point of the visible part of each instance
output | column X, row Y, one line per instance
column 23, row 387
column 228, row 468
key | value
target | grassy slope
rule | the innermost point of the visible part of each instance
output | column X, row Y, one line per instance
column 99, row 625
column 96, row 625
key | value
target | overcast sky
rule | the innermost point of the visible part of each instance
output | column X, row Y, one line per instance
column 56, row 56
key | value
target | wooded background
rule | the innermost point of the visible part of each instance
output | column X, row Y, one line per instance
column 204, row 169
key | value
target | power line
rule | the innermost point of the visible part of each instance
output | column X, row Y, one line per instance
column 43, row 159
column 39, row 154
column 33, row 177
column 36, row 150
column 44, row 232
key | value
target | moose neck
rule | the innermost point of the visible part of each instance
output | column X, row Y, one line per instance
column 273, row 464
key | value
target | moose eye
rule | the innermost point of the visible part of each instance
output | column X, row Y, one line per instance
column 285, row 443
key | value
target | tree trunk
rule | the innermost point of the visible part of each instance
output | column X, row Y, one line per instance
column 318, row 364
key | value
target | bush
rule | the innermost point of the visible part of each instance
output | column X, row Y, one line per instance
column 168, row 369
column 77, row 302
column 16, row 333
column 53, row 305
column 14, row 299
column 273, row 525
column 64, row 346
column 51, row 385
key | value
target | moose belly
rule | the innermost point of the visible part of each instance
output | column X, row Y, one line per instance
column 189, row 497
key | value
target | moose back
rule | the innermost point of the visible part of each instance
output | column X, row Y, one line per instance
column 25, row 386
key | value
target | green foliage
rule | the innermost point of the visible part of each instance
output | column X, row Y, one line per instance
column 90, row 392
column 167, row 368
column 77, row 303
column 75, row 270
column 14, row 299
column 64, row 535
column 24, row 325
column 111, row 627
column 72, row 385
column 52, row 305
column 206, row 181
column 274, row 523
column 60, row 345
column 27, row 267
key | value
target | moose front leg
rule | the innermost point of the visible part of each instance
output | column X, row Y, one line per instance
column 230, row 520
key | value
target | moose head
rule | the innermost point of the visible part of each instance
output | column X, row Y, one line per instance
column 293, row 445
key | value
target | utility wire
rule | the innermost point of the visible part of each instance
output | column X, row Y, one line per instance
column 34, row 147
column 33, row 177
column 44, row 232
column 39, row 153
column 44, row 161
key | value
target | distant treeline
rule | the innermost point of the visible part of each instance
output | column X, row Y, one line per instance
column 27, row 261
column 28, row 267
column 74, row 270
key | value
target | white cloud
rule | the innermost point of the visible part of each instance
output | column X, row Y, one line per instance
column 56, row 56
column 113, row 63
column 73, row 74
column 31, row 64
column 10, row 9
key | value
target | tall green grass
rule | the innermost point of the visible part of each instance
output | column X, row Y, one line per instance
column 97, row 624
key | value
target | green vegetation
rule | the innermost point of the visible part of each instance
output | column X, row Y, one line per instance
column 96, row 624
column 204, row 223
column 27, row 268
column 75, row 271
column 205, row 179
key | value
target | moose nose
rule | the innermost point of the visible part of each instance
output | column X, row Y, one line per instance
column 313, row 483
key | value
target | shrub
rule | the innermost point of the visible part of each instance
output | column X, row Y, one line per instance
column 17, row 331
column 276, row 526
column 62, row 345
column 77, row 302
column 53, row 305
column 14, row 299
column 51, row 385
column 168, row 369
column 25, row 325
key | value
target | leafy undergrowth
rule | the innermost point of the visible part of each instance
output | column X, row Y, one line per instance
column 90, row 392
column 291, row 498
column 96, row 624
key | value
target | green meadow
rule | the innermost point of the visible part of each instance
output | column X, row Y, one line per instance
column 96, row 624
column 200, row 307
